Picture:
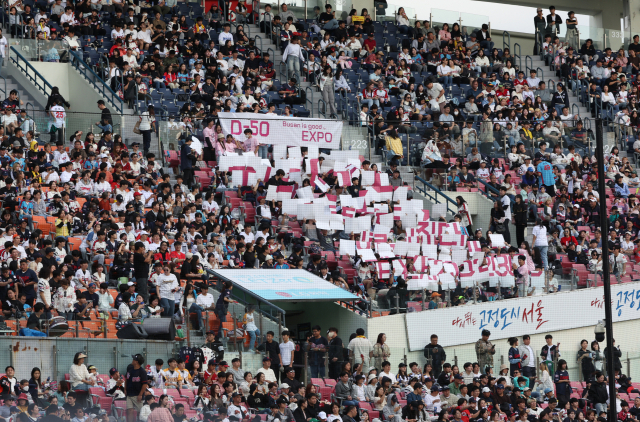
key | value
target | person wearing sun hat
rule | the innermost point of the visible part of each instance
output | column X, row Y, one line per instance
column 436, row 298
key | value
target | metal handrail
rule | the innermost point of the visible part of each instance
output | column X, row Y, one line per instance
column 322, row 108
column 506, row 44
column 538, row 69
column 4, row 91
column 528, row 58
column 103, row 88
column 575, row 110
column 518, row 54
column 309, row 99
column 492, row 189
column 255, row 39
column 38, row 80
column 434, row 193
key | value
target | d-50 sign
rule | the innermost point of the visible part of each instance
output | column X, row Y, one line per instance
column 291, row 131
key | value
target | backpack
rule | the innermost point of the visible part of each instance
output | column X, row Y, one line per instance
column 314, row 249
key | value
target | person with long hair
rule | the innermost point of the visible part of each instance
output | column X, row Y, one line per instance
column 79, row 375
column 36, row 388
column 465, row 215
column 381, row 351
column 562, row 382
column 326, row 83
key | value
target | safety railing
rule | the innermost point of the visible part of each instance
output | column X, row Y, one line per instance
column 528, row 59
column 97, row 82
column 517, row 53
column 309, row 99
column 506, row 40
column 30, row 72
column 322, row 108
column 435, row 195
column 4, row 89
column 256, row 38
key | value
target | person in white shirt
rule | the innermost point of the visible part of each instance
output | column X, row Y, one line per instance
column 360, row 347
column 225, row 35
column 204, row 302
column 269, row 375
column 3, row 49
column 432, row 401
column 286, row 350
column 144, row 35
column 83, row 275
column 386, row 372
column 236, row 411
column 248, row 235
column 541, row 242
column 292, row 56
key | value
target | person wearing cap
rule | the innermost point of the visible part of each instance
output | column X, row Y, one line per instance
column 432, row 400
column 115, row 384
column 269, row 374
column 236, row 411
column 9, row 408
column 79, row 375
column 458, row 381
column 485, row 351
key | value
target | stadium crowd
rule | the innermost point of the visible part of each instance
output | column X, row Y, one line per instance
column 117, row 218
column 199, row 384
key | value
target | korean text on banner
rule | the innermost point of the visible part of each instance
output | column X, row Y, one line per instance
column 280, row 130
column 531, row 315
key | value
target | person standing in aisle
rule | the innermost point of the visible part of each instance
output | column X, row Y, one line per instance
column 435, row 355
column 529, row 364
column 327, row 87
column 3, row 49
column 336, row 353
column 292, row 56
column 59, row 116
column 287, row 348
column 485, row 351
column 147, row 124
column 272, row 350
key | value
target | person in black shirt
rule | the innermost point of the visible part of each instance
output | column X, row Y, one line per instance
column 141, row 261
column 314, row 265
column 7, row 282
column 91, row 295
column 71, row 405
column 272, row 350
column 293, row 258
column 179, row 415
column 136, row 385
column 34, row 319
column 275, row 180
column 189, row 271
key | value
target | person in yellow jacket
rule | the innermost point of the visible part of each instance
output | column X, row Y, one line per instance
column 394, row 143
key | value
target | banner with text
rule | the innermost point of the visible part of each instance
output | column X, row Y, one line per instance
column 516, row 317
column 281, row 130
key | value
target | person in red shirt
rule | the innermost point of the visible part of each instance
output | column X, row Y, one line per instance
column 624, row 413
column 370, row 44
column 177, row 256
column 520, row 81
column 164, row 254
column 210, row 375
column 567, row 238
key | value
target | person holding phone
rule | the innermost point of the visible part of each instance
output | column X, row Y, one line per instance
column 485, row 351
